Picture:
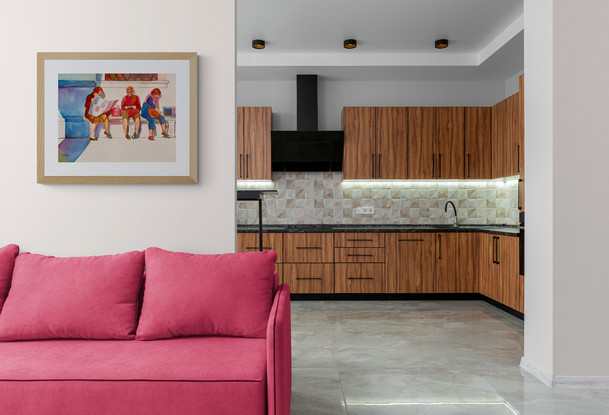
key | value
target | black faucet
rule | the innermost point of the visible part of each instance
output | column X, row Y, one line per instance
column 454, row 208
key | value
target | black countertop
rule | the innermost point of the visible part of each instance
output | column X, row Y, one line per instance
column 507, row 230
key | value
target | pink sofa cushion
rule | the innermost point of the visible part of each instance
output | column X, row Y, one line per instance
column 199, row 295
column 213, row 375
column 7, row 262
column 73, row 298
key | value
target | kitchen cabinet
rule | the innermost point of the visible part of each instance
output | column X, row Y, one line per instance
column 375, row 142
column 254, row 143
column 309, row 262
column 410, row 262
column 456, row 263
column 359, row 278
column 436, row 142
column 359, row 263
column 499, row 274
column 478, row 142
column 521, row 143
column 249, row 242
column 506, row 146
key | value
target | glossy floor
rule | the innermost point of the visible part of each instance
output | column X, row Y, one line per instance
column 419, row 357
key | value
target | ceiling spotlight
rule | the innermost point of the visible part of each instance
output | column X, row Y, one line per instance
column 350, row 44
column 258, row 44
column 441, row 43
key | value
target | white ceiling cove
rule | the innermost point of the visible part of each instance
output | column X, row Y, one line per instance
column 395, row 39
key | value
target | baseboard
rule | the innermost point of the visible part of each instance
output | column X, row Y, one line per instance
column 543, row 376
column 564, row 382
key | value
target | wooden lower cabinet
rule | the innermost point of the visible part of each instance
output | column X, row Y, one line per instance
column 359, row 278
column 410, row 262
column 308, row 247
column 500, row 278
column 309, row 278
column 249, row 242
column 456, row 263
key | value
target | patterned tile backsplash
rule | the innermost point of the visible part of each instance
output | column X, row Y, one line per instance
column 323, row 198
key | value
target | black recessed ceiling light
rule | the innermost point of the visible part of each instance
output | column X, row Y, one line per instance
column 441, row 43
column 258, row 44
column 350, row 44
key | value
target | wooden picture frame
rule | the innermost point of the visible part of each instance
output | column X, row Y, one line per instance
column 88, row 132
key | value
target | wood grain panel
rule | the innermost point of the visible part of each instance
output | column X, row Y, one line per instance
column 359, row 157
column 421, row 142
column 240, row 144
column 478, row 143
column 309, row 278
column 487, row 270
column 468, row 262
column 359, row 254
column 510, row 273
column 514, row 134
column 450, row 143
column 359, row 240
column 308, row 247
column 410, row 262
column 521, row 295
column 248, row 242
column 359, row 278
column 392, row 139
column 257, row 130
column 498, row 133
column 447, row 267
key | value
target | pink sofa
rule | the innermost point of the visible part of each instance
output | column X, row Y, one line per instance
column 204, row 334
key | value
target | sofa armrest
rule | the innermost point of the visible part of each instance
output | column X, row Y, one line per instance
column 279, row 354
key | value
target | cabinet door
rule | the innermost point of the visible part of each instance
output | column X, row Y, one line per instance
column 450, row 143
column 308, row 247
column 240, row 144
column 359, row 240
column 410, row 261
column 309, row 278
column 487, row 268
column 447, row 267
column 497, row 147
column 359, row 157
column 391, row 141
column 514, row 134
column 478, row 143
column 359, row 254
column 257, row 132
column 510, row 273
column 469, row 251
column 359, row 278
column 421, row 142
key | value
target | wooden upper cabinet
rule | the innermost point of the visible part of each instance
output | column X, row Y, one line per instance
column 375, row 142
column 254, row 143
column 450, row 144
column 360, row 142
column 478, row 143
column 410, row 262
column 391, row 142
column 421, row 142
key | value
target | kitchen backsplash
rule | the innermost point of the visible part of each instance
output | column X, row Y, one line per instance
column 323, row 198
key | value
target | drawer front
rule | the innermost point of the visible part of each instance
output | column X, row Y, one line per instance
column 359, row 278
column 308, row 247
column 359, row 240
column 359, row 254
column 249, row 242
column 309, row 278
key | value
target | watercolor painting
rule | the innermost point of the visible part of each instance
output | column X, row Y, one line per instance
column 117, row 117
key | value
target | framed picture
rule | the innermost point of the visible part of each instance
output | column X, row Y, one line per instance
column 117, row 117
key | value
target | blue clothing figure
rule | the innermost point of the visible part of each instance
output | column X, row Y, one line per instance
column 151, row 113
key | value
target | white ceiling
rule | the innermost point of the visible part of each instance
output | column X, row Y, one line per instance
column 395, row 39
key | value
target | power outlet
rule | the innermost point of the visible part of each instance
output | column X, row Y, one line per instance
column 364, row 211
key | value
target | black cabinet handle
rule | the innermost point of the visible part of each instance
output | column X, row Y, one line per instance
column 308, row 278
column 247, row 166
column 439, row 246
column 308, row 247
column 497, row 250
column 372, row 156
column 379, row 166
column 468, row 165
column 359, row 240
column 241, row 166
column 360, row 278
column 518, row 158
column 257, row 247
column 410, row 240
column 433, row 165
column 440, row 165
column 494, row 252
column 356, row 255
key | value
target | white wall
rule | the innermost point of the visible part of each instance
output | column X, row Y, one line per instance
column 512, row 84
column 99, row 219
column 334, row 95
column 581, row 171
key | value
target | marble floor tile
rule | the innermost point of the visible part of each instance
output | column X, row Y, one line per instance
column 419, row 357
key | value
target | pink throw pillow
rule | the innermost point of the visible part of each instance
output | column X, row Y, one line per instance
column 206, row 295
column 73, row 298
column 7, row 262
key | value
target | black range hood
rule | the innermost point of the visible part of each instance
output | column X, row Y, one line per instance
column 307, row 148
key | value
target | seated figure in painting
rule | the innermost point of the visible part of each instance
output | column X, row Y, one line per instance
column 96, row 119
column 130, row 109
column 151, row 112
